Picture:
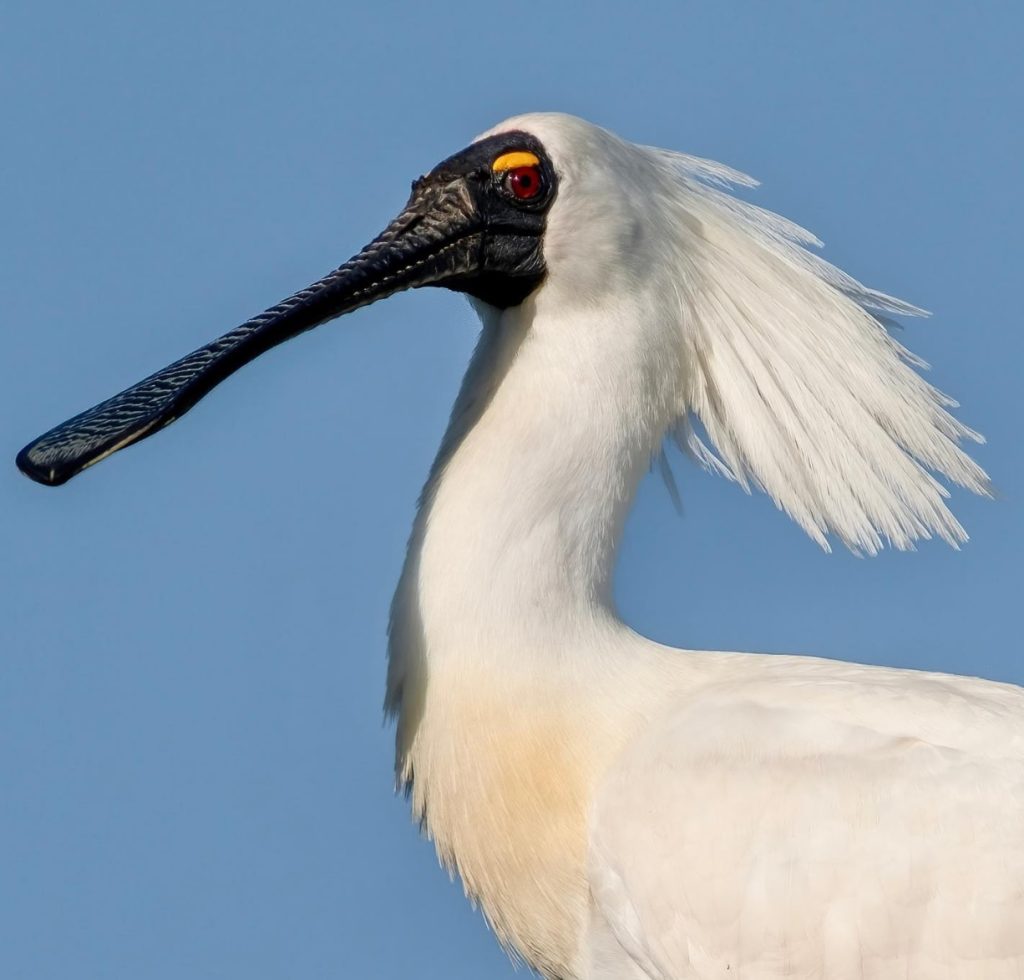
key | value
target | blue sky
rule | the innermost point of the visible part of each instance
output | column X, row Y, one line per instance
column 196, row 780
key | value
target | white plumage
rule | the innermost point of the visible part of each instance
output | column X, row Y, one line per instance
column 626, row 811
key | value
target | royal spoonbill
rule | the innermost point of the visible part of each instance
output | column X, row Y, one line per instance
column 622, row 810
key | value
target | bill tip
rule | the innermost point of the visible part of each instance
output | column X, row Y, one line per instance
column 40, row 472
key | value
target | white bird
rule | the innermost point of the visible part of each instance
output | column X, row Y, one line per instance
column 622, row 810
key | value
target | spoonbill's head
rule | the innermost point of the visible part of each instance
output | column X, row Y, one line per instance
column 474, row 223
column 715, row 304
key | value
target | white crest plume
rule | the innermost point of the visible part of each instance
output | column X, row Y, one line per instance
column 788, row 363
column 796, row 381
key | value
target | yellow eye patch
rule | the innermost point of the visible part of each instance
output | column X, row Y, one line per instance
column 518, row 158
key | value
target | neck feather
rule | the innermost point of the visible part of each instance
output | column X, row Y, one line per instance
column 555, row 423
column 505, row 602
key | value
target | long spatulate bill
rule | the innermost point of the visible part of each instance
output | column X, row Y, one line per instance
column 429, row 242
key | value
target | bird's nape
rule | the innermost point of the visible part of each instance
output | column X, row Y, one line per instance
column 783, row 359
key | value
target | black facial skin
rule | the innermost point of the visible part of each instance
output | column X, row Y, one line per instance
column 511, row 261
column 462, row 228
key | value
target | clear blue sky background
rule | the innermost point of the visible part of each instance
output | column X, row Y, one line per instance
column 194, row 777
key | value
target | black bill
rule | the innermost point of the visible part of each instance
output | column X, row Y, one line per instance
column 465, row 227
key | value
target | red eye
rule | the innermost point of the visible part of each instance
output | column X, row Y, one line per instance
column 524, row 182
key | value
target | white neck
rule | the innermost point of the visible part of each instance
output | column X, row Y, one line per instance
column 555, row 424
column 504, row 608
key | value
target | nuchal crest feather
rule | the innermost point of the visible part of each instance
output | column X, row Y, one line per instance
column 622, row 810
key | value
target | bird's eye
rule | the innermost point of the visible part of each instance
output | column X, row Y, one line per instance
column 524, row 182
